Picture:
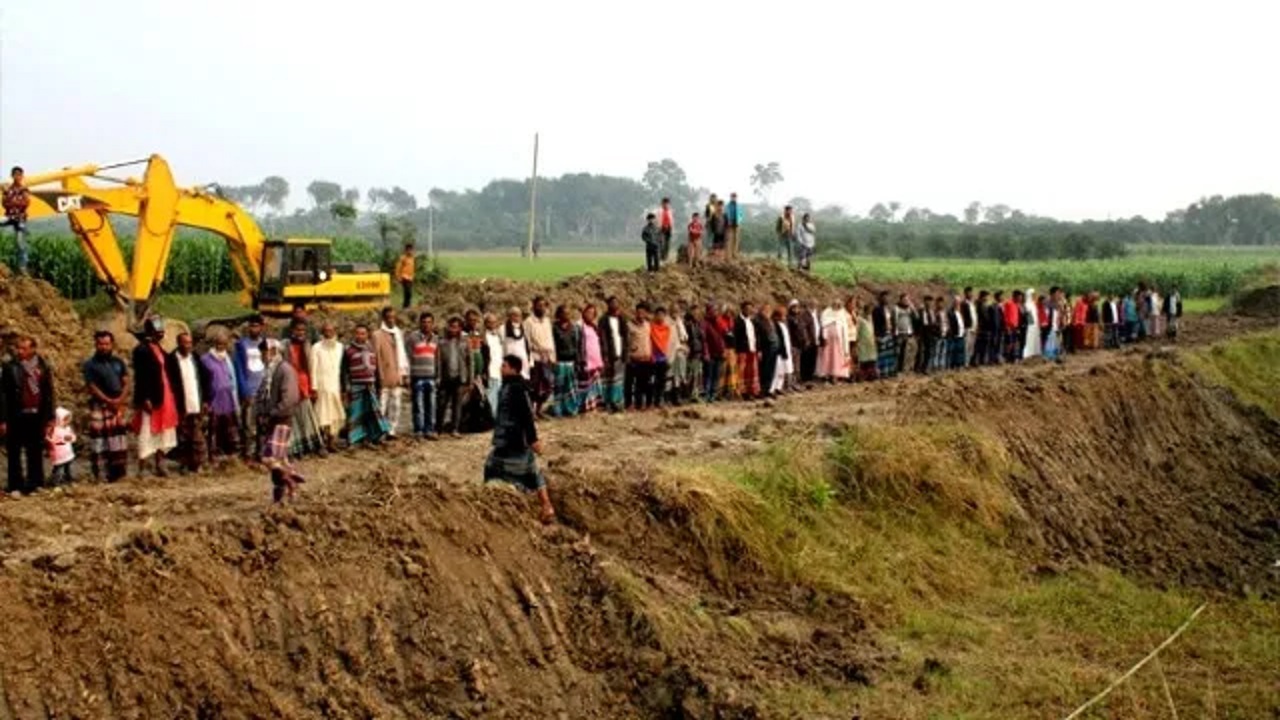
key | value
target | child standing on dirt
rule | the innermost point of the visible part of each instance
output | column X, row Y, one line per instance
column 512, row 457
column 62, row 453
column 694, row 243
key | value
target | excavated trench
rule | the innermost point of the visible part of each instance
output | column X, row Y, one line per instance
column 398, row 587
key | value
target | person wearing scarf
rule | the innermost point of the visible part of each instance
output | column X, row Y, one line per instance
column 1031, row 345
column 155, row 407
column 660, row 342
column 326, row 385
column 591, row 350
column 222, row 399
column 542, row 350
column 713, row 352
column 393, row 368
column 26, row 415
column 513, row 340
column 306, row 430
column 277, row 399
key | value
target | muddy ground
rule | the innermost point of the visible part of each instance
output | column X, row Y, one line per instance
column 398, row 586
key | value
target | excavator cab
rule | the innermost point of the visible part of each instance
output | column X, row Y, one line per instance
column 302, row 272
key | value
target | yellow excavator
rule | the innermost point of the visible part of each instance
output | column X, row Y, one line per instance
column 277, row 275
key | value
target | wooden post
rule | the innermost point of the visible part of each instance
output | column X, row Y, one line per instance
column 533, row 199
column 431, row 227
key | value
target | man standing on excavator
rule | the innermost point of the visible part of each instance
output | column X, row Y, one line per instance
column 16, row 200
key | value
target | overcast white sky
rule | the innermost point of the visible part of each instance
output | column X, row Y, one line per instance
column 1071, row 109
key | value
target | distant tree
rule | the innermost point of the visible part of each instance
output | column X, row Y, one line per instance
column 831, row 212
column 764, row 177
column 877, row 242
column 880, row 213
column 344, row 212
column 917, row 215
column 894, row 207
column 1003, row 248
column 937, row 245
column 973, row 212
column 275, row 192
column 1077, row 246
column 665, row 178
column 351, row 196
column 968, row 245
column 906, row 246
column 324, row 193
column 801, row 204
column 377, row 200
column 996, row 213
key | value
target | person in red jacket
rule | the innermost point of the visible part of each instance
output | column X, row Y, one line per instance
column 1079, row 322
column 1012, row 312
column 694, row 244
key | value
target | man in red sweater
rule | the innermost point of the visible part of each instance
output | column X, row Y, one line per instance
column 1013, row 327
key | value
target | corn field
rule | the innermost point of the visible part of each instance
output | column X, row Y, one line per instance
column 198, row 263
column 1194, row 276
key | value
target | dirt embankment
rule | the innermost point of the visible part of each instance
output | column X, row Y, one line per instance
column 1136, row 464
column 34, row 308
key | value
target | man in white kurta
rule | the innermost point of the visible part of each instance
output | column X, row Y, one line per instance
column 326, row 383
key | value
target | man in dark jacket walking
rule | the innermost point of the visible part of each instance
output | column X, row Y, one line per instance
column 26, row 414
column 515, row 439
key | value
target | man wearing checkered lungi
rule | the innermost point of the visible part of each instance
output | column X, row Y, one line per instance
column 107, row 379
column 613, row 334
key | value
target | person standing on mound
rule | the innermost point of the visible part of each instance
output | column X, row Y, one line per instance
column 512, row 457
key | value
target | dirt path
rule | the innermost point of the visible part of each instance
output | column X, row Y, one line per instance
column 102, row 516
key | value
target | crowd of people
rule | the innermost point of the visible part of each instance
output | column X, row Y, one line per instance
column 796, row 238
column 272, row 400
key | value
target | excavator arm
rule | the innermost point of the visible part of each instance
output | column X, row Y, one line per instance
column 160, row 206
column 302, row 272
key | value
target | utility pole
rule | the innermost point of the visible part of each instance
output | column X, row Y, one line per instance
column 533, row 199
column 431, row 227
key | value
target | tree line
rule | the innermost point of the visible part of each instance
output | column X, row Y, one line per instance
column 585, row 210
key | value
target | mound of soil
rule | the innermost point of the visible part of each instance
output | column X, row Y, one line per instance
column 417, row 601
column 1262, row 302
column 34, row 307
column 1133, row 463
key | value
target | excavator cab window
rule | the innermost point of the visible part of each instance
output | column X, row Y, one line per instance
column 308, row 264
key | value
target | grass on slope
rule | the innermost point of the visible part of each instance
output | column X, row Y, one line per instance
column 1248, row 366
column 911, row 522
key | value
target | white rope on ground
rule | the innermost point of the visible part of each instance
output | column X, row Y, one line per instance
column 1129, row 673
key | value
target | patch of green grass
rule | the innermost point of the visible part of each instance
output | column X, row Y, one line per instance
column 1248, row 366
column 548, row 267
column 1204, row 306
column 187, row 308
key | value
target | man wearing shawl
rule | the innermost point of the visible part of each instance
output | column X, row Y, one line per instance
column 325, row 371
column 155, row 408
column 306, row 431
column 713, row 348
column 542, row 350
column 886, row 346
column 26, row 414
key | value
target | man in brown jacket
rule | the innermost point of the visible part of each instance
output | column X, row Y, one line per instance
column 393, row 367
column 639, row 359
